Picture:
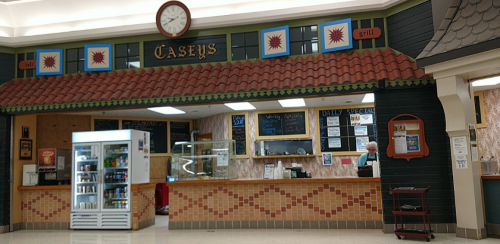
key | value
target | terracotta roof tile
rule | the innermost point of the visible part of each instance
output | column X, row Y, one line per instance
column 126, row 94
column 324, row 69
column 59, row 98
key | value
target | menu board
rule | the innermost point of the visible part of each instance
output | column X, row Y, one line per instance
column 347, row 129
column 106, row 124
column 157, row 130
column 179, row 131
column 286, row 123
column 239, row 133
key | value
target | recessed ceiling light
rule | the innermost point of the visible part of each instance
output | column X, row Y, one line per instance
column 167, row 110
column 368, row 98
column 240, row 106
column 292, row 103
column 487, row 82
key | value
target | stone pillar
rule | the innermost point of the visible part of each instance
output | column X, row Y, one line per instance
column 454, row 94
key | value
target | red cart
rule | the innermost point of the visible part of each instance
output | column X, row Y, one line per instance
column 409, row 210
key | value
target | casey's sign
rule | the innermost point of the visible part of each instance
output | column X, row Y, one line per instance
column 203, row 49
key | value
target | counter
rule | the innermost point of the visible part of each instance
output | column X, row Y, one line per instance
column 334, row 203
column 491, row 196
column 49, row 207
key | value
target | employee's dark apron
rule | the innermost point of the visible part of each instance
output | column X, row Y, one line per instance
column 366, row 170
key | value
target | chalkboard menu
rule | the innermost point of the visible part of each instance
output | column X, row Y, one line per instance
column 346, row 129
column 106, row 124
column 239, row 134
column 284, row 123
column 157, row 130
column 179, row 131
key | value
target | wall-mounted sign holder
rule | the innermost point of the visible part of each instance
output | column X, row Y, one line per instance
column 407, row 137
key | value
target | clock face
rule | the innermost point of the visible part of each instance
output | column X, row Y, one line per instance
column 173, row 19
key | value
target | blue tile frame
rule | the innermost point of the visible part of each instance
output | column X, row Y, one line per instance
column 85, row 53
column 262, row 42
column 349, row 35
column 38, row 61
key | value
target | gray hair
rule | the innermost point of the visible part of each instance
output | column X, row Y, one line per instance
column 371, row 144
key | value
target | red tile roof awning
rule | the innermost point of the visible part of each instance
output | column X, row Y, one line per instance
column 161, row 82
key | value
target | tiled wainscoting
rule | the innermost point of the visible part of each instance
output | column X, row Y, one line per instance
column 46, row 207
column 49, row 207
column 143, row 208
column 298, row 203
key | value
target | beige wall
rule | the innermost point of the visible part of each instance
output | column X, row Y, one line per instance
column 488, row 138
column 19, row 122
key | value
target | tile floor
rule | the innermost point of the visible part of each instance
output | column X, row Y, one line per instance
column 159, row 233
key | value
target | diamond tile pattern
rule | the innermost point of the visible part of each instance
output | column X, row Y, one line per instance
column 324, row 69
column 46, row 206
column 311, row 201
column 466, row 23
column 54, row 206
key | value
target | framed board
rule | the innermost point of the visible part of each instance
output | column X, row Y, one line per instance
column 345, row 130
column 479, row 109
column 407, row 137
column 238, row 131
column 106, row 124
column 157, row 130
column 282, row 124
column 179, row 131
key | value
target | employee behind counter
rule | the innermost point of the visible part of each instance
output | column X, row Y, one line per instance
column 367, row 159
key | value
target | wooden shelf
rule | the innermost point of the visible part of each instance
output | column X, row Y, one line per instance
column 285, row 156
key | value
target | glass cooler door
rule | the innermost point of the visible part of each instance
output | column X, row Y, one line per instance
column 85, row 177
column 116, row 183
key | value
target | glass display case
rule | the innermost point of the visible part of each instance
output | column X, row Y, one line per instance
column 204, row 160
column 105, row 165
column 284, row 148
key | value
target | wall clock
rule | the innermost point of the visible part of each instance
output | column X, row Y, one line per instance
column 173, row 19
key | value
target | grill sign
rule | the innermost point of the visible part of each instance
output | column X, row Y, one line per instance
column 366, row 33
column 27, row 64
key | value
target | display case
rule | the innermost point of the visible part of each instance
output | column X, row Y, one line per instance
column 283, row 148
column 204, row 160
column 105, row 165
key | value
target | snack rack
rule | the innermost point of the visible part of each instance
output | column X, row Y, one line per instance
column 408, row 210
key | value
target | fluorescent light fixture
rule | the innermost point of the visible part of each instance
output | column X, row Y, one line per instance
column 240, row 106
column 292, row 103
column 167, row 110
column 487, row 82
column 369, row 98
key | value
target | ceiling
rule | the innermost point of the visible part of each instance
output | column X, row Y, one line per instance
column 202, row 111
column 37, row 22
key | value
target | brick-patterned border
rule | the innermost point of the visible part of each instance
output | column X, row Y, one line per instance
column 280, row 202
column 46, row 208
column 49, row 207
column 143, row 207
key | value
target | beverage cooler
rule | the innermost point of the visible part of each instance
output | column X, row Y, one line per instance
column 105, row 164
